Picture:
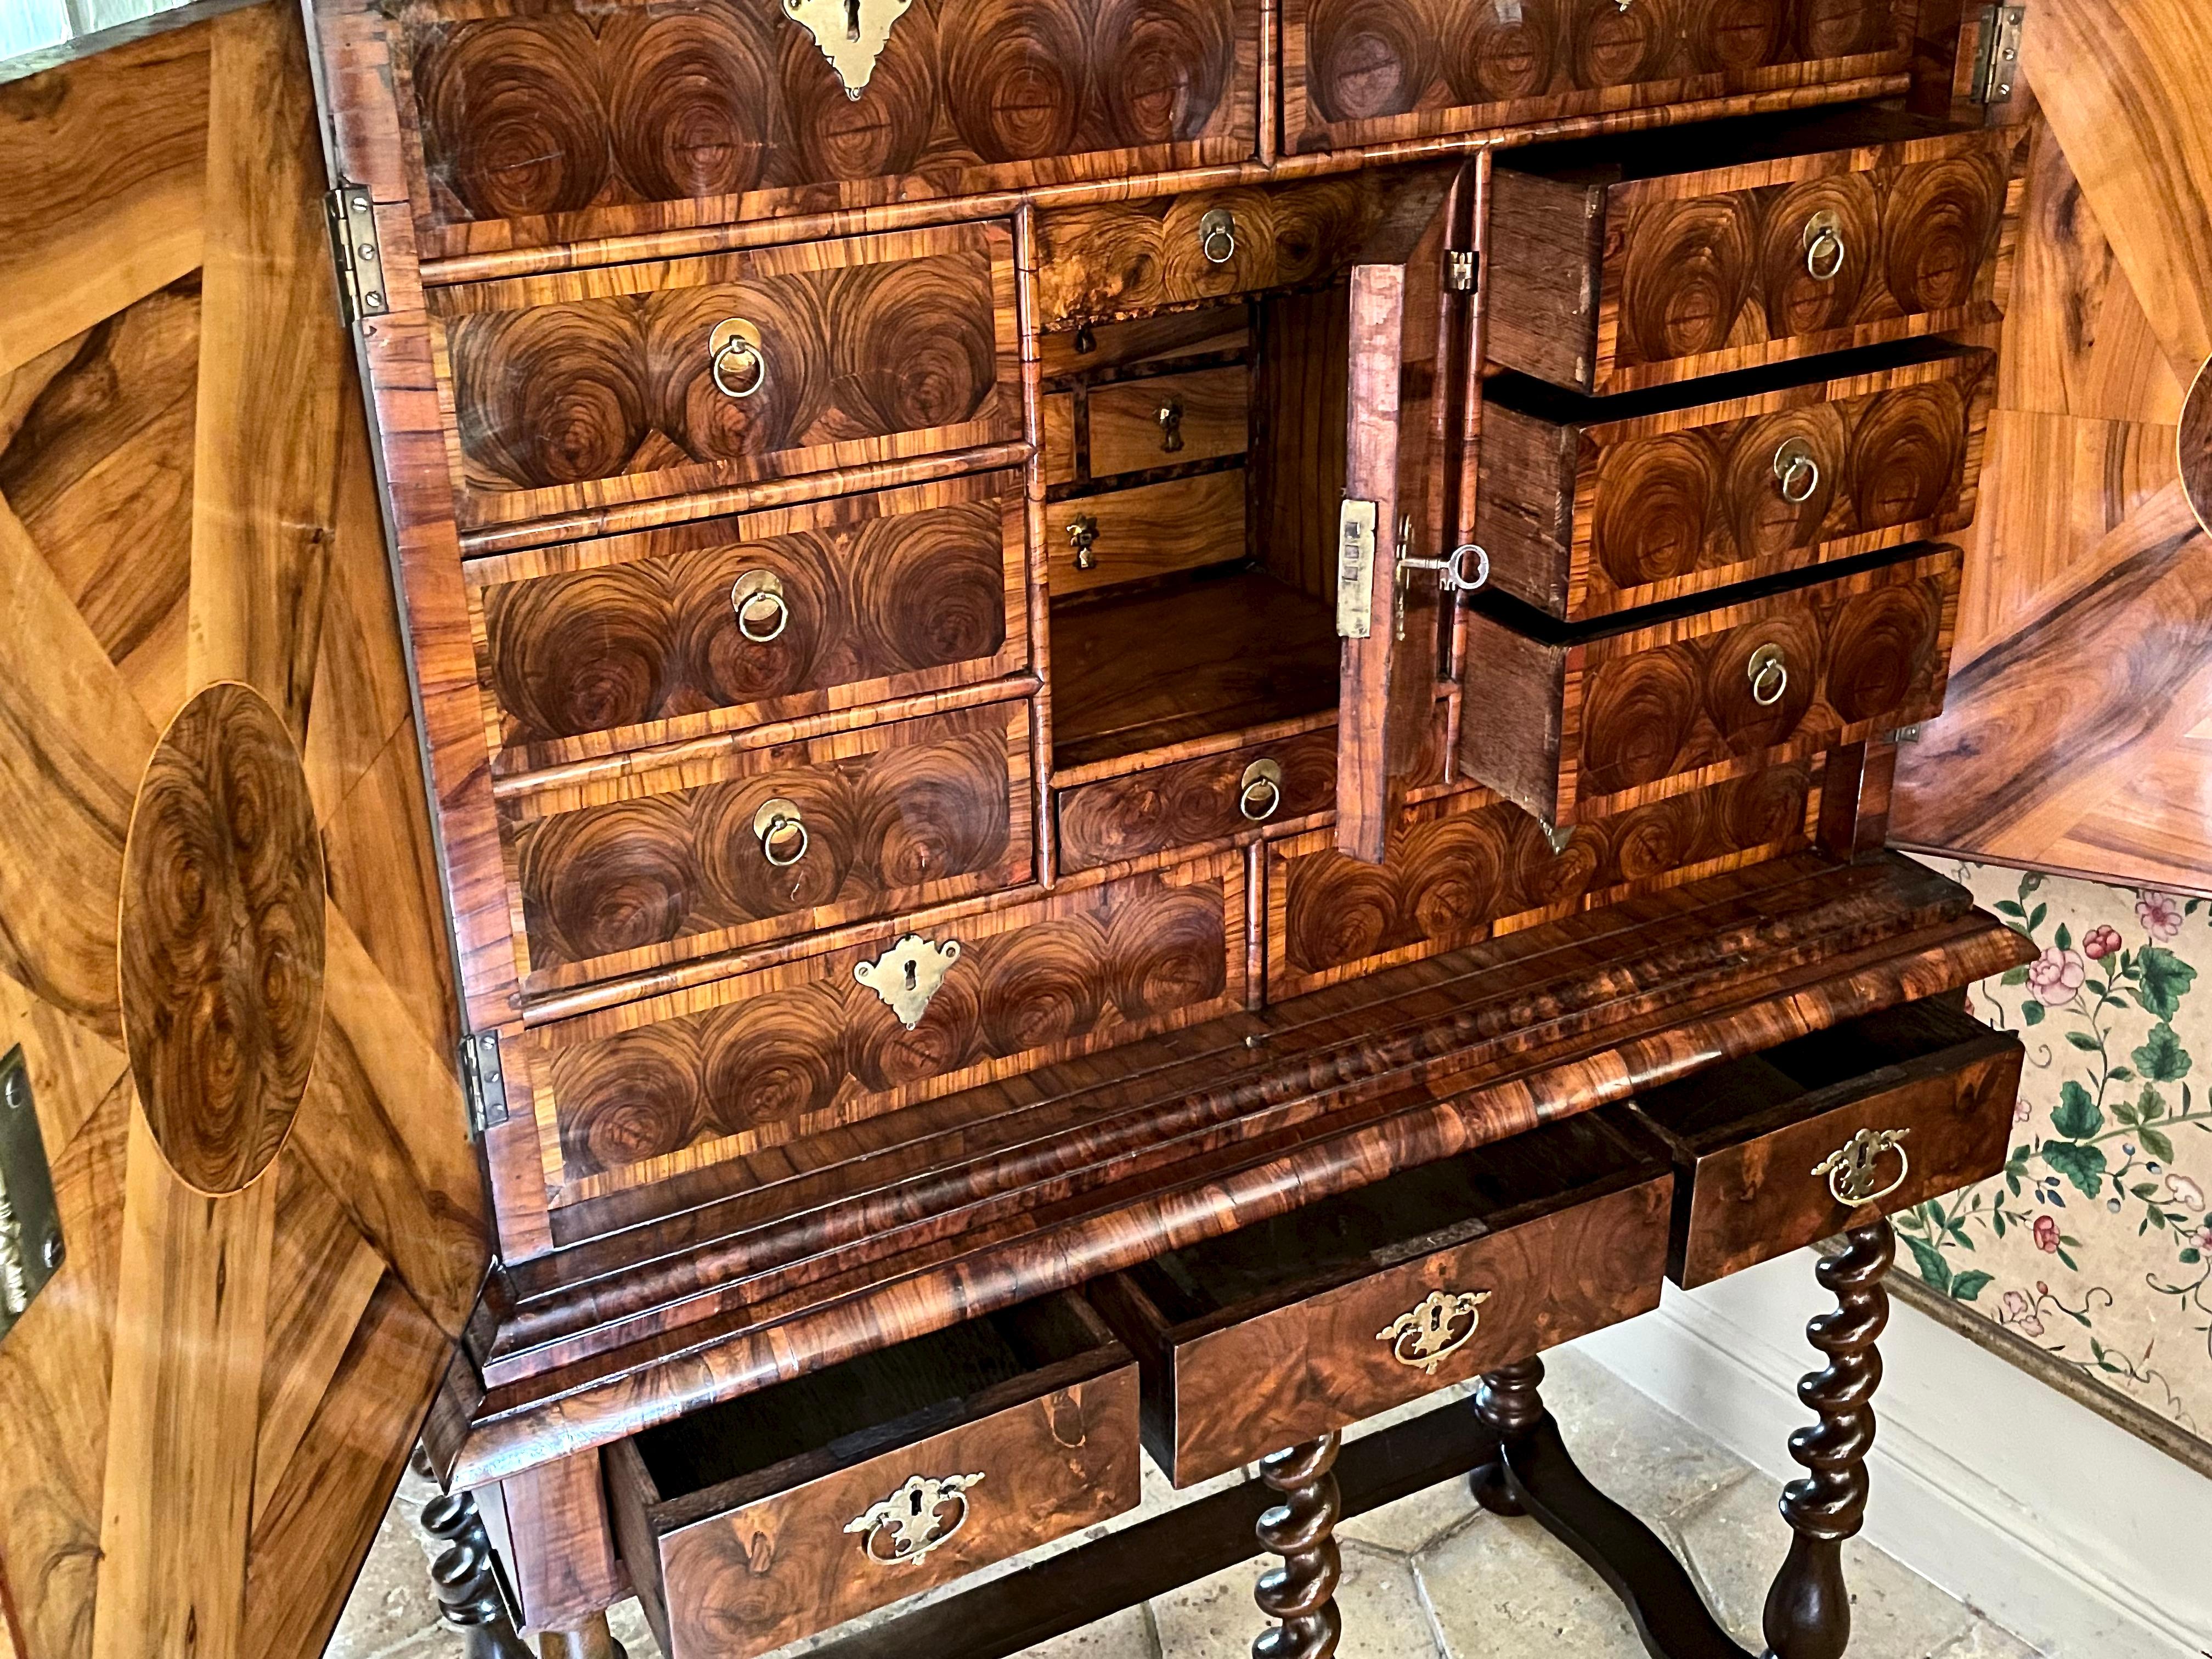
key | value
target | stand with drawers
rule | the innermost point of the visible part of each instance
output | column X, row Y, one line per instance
column 1158, row 724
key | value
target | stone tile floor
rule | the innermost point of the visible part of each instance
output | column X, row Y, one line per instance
column 1431, row 1577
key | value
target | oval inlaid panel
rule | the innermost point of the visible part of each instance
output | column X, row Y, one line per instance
column 221, row 944
column 2196, row 444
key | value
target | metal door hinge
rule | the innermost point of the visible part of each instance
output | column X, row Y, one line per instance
column 30, row 1221
column 1996, row 63
column 1462, row 269
column 357, row 252
column 484, row 1081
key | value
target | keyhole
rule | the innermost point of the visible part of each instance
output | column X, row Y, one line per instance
column 913, row 977
column 852, row 20
column 913, row 1499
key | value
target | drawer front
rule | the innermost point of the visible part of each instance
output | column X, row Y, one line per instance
column 711, row 626
column 1363, row 71
column 644, row 868
column 1903, row 1136
column 754, row 1578
column 592, row 388
column 1169, row 420
column 1466, row 869
column 573, row 120
column 1583, row 521
column 1196, row 801
column 1143, row 342
column 1285, row 1376
column 750, row 1062
column 1124, row 535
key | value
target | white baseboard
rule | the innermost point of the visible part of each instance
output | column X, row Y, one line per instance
column 2056, row 1524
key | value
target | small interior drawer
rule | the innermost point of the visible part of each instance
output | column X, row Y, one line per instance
column 765, row 1519
column 1169, row 420
column 1909, row 1104
column 1296, row 1325
column 1153, row 530
column 1194, row 802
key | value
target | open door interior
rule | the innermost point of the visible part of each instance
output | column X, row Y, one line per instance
column 226, row 1042
column 1398, row 550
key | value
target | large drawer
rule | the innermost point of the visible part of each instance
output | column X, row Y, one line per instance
column 592, row 388
column 1612, row 266
column 1295, row 1327
column 1369, row 71
column 751, row 1524
column 743, row 1064
column 661, row 858
column 1591, row 506
column 566, row 120
column 723, row 623
column 1798, row 1143
column 1584, row 722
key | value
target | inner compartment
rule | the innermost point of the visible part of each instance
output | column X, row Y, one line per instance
column 855, row 1410
column 1411, row 1214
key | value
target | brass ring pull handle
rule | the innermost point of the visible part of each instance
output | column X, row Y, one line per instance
column 1797, row 471
column 734, row 347
column 777, row 824
column 1769, row 675
column 1260, row 791
column 1825, row 252
column 763, row 612
column 1217, row 236
column 905, row 1527
column 1854, row 1167
column 1429, row 1333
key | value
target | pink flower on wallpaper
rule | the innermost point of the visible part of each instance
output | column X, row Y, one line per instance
column 2203, row 1240
column 2101, row 942
column 2022, row 1109
column 2046, row 1234
column 2184, row 1193
column 2019, row 1313
column 2056, row 977
column 2160, row 914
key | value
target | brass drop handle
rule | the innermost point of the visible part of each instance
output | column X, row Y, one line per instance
column 1854, row 1167
column 733, row 347
column 1083, row 536
column 1769, row 675
column 1260, row 791
column 1825, row 253
column 763, row 612
column 1797, row 471
column 1429, row 1332
column 1217, row 236
column 905, row 1527
column 1171, row 420
column 778, row 826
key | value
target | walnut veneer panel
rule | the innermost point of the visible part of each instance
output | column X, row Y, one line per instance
column 1586, row 510
column 1151, row 530
column 597, row 387
column 597, row 646
column 530, row 125
column 1195, row 801
column 1367, row 72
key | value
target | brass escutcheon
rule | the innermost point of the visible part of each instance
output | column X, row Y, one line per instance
column 1851, row 1167
column 1425, row 1335
column 905, row 1527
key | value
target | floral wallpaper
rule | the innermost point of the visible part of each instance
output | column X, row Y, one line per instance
column 2095, row 1243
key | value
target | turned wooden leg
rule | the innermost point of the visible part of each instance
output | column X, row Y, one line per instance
column 1808, row 1611
column 1302, row 1592
column 589, row 1640
column 468, row 1591
column 1509, row 1404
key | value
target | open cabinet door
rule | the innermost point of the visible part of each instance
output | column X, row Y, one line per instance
column 1412, row 332
column 245, row 1223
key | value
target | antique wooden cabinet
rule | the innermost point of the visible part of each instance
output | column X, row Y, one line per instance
column 1142, row 727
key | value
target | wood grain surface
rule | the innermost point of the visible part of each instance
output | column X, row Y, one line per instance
column 1192, row 802
column 1151, row 530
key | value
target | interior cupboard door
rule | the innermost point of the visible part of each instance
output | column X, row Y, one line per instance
column 1411, row 340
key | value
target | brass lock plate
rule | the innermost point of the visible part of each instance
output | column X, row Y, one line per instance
column 30, row 1223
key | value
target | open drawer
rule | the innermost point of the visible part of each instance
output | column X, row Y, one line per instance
column 1785, row 1147
column 1294, row 1327
column 767, row 1518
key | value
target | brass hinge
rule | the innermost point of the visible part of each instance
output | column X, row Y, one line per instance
column 484, row 1081
column 1996, row 63
column 1462, row 268
column 357, row 252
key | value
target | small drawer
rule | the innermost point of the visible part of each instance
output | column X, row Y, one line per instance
column 1591, row 506
column 1124, row 535
column 757, row 1522
column 591, row 388
column 1169, row 420
column 1317, row 1319
column 1370, row 71
column 1801, row 1141
column 1613, row 266
column 1149, row 342
column 1193, row 802
column 737, row 1067
column 687, row 854
column 1472, row 867
column 722, row 624
column 1585, row 722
